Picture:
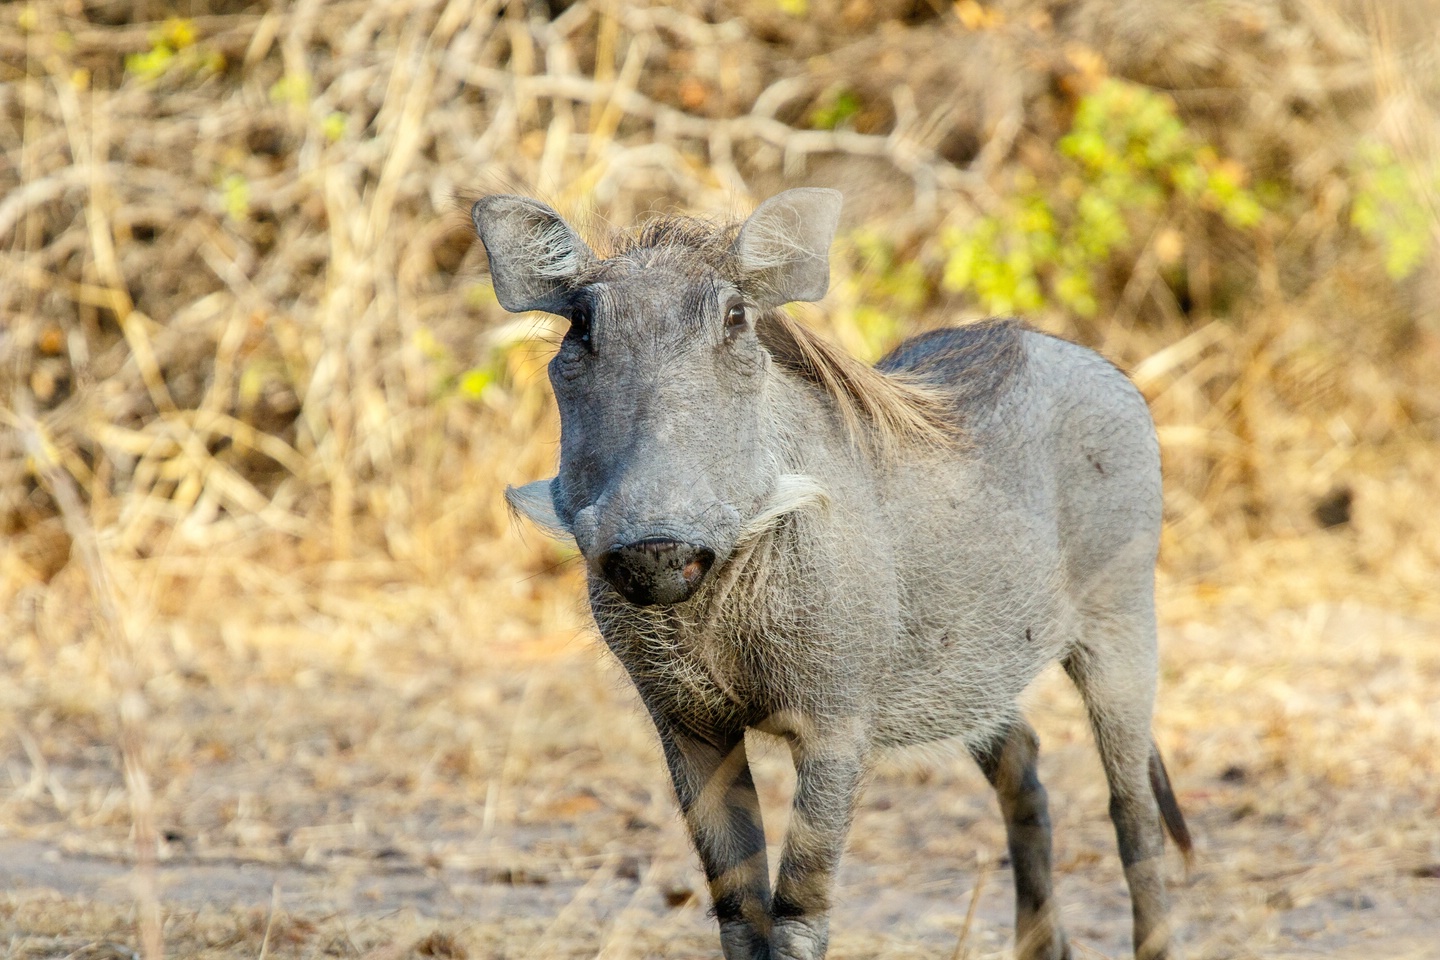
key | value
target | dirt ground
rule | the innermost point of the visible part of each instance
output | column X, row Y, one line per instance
column 368, row 793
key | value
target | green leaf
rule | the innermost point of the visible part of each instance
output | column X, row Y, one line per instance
column 235, row 196
column 837, row 112
column 333, row 126
column 474, row 382
column 293, row 88
column 150, row 65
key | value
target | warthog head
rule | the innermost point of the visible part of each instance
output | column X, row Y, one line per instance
column 661, row 380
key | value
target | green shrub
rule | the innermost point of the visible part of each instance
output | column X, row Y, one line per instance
column 173, row 47
column 1126, row 162
column 1390, row 207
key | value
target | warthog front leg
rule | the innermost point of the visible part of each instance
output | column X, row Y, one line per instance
column 717, row 797
column 827, row 784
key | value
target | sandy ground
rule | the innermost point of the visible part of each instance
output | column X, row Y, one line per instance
column 521, row 810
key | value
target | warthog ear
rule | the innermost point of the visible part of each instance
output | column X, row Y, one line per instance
column 532, row 250
column 535, row 503
column 784, row 248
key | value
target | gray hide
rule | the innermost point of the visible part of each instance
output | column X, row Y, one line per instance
column 851, row 558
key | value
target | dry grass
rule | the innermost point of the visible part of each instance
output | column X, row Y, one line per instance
column 242, row 314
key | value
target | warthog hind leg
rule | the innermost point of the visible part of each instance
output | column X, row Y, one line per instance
column 1119, row 691
column 1008, row 762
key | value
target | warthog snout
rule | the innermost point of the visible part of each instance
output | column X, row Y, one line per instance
column 655, row 571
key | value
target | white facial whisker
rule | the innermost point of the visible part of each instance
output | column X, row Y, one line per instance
column 534, row 503
column 792, row 492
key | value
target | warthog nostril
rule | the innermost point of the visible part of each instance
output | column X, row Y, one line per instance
column 656, row 571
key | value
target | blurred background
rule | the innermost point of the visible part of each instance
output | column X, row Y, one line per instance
column 280, row 675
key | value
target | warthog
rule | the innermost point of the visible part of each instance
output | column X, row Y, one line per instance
column 778, row 537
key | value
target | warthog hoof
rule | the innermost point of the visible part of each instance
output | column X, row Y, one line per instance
column 800, row 938
column 741, row 941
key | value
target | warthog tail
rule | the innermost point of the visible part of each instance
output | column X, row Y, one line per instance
column 1169, row 807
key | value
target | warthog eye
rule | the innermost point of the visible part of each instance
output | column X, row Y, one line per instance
column 580, row 322
column 734, row 320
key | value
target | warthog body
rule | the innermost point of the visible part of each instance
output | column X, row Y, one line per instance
column 781, row 538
